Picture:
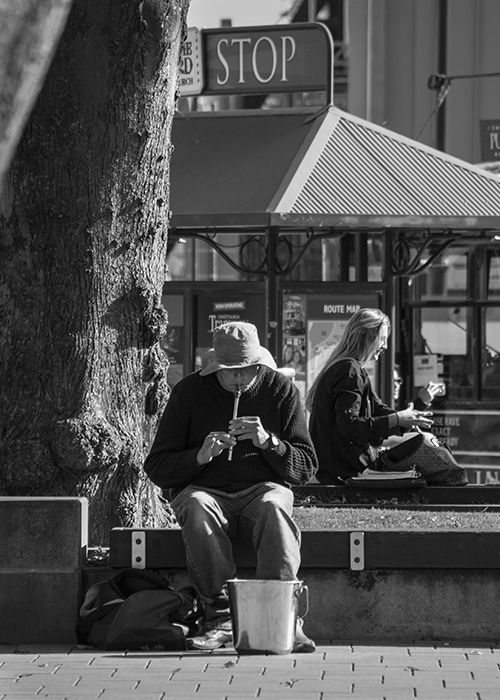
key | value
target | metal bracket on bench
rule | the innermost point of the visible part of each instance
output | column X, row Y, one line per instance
column 357, row 551
column 138, row 550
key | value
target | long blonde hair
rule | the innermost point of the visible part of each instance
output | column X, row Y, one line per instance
column 359, row 341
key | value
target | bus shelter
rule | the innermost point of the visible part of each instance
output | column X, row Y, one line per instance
column 292, row 219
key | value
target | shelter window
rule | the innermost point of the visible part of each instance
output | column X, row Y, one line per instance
column 455, row 306
column 491, row 352
column 224, row 257
column 446, row 277
column 336, row 258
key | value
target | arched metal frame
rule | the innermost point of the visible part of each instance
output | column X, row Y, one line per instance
column 272, row 249
column 411, row 251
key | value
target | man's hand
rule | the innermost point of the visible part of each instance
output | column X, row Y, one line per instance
column 428, row 393
column 213, row 445
column 249, row 428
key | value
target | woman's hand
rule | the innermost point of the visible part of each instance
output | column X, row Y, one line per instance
column 410, row 418
column 213, row 445
column 249, row 428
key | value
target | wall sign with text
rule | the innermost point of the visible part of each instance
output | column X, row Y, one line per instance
column 490, row 139
column 245, row 60
column 191, row 64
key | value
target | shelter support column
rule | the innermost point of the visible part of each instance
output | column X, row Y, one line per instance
column 393, row 309
column 272, row 311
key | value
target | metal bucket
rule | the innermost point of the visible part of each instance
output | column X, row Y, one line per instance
column 264, row 614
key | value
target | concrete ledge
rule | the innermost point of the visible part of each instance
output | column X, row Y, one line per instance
column 39, row 607
column 398, row 605
column 389, row 606
column 385, row 585
column 43, row 533
column 43, row 543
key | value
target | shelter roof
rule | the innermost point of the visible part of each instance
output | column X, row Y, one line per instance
column 305, row 169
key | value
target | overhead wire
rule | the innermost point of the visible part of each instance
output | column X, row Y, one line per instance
column 441, row 96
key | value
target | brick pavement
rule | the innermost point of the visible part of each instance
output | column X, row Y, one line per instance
column 334, row 672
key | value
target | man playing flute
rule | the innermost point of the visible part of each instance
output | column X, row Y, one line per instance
column 248, row 494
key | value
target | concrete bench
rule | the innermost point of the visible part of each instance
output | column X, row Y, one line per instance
column 43, row 543
column 397, row 586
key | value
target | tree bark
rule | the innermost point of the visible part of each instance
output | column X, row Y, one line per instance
column 29, row 32
column 83, row 236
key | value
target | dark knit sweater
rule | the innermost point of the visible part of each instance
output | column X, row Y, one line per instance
column 346, row 418
column 199, row 405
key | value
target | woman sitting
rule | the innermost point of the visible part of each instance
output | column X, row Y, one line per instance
column 348, row 421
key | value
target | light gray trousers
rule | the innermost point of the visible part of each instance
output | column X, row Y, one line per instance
column 261, row 514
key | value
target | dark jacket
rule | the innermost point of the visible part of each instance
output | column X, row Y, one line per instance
column 199, row 405
column 346, row 418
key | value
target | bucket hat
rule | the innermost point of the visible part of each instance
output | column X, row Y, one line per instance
column 235, row 345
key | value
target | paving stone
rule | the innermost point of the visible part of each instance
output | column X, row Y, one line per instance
column 350, row 672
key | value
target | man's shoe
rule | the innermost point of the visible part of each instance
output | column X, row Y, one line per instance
column 213, row 639
column 302, row 644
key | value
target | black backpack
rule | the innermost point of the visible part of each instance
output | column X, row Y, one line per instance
column 137, row 609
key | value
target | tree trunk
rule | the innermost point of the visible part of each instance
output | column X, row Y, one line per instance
column 29, row 32
column 83, row 236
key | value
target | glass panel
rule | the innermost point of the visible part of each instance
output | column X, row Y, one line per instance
column 172, row 342
column 230, row 243
column 179, row 260
column 491, row 356
column 493, row 273
column 312, row 265
column 375, row 258
column 444, row 332
column 322, row 262
column 330, row 259
column 204, row 261
column 445, row 278
column 193, row 258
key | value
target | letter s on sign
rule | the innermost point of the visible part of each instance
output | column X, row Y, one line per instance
column 223, row 62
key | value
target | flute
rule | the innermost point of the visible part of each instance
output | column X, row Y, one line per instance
column 235, row 413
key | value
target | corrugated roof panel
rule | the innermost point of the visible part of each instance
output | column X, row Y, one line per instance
column 431, row 177
column 367, row 170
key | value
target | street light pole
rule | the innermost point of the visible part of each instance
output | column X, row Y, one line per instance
column 442, row 63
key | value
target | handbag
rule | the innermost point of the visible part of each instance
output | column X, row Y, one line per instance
column 429, row 455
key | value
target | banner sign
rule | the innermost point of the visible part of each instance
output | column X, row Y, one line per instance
column 490, row 139
column 474, row 438
column 245, row 60
column 326, row 319
column 214, row 310
column 469, row 432
column 191, row 64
